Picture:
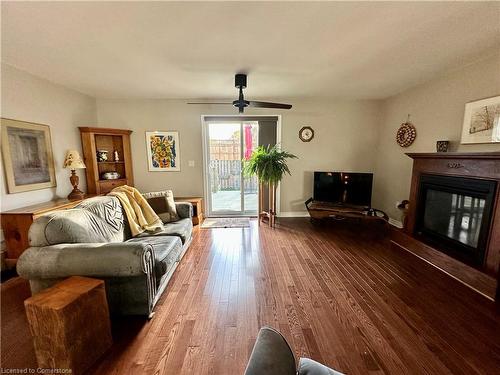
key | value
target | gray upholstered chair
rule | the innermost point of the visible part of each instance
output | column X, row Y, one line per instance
column 271, row 355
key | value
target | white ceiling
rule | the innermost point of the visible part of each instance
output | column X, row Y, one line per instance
column 290, row 49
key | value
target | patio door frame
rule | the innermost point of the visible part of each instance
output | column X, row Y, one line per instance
column 206, row 158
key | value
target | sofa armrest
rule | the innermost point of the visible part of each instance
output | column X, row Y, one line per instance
column 119, row 259
column 271, row 355
column 184, row 210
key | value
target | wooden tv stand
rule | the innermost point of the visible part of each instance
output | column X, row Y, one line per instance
column 324, row 210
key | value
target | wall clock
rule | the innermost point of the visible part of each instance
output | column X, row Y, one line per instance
column 306, row 134
column 406, row 134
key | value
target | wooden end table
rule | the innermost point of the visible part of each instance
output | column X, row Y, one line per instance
column 70, row 324
column 197, row 203
column 17, row 222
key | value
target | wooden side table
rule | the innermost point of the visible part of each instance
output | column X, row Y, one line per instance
column 70, row 324
column 197, row 203
column 17, row 222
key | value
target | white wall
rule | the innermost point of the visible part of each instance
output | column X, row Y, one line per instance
column 345, row 137
column 437, row 110
column 345, row 131
column 350, row 135
column 29, row 98
column 344, row 140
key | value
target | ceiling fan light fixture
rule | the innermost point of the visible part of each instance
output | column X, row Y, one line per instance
column 241, row 104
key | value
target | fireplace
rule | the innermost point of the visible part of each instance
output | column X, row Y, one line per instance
column 454, row 215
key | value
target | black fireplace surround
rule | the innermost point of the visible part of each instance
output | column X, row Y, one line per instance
column 454, row 215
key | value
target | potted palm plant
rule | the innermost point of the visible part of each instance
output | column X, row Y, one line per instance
column 269, row 164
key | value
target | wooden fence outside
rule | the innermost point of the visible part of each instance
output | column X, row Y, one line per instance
column 226, row 176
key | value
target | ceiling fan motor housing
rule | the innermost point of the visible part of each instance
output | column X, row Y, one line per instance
column 240, row 81
column 241, row 104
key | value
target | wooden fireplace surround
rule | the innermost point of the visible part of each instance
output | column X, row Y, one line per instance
column 484, row 165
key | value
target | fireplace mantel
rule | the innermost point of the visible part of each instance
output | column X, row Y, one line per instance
column 480, row 165
column 454, row 155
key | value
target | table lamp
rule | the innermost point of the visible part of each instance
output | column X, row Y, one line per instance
column 74, row 161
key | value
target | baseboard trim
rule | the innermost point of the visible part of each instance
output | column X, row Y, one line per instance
column 395, row 223
column 294, row 214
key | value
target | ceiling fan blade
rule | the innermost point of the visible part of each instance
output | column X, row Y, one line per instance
column 253, row 103
column 210, row 103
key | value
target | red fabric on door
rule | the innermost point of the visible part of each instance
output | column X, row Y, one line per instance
column 248, row 141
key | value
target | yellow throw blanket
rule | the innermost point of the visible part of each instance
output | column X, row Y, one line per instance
column 140, row 215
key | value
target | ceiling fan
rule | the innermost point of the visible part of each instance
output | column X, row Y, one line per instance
column 240, row 82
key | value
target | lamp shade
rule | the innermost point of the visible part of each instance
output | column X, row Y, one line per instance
column 73, row 160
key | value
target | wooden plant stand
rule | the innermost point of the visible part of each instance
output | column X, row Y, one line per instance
column 324, row 210
column 270, row 214
column 70, row 324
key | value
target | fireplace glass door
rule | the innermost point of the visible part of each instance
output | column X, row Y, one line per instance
column 455, row 213
column 456, row 216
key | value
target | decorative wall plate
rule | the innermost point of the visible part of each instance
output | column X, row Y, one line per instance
column 306, row 134
column 406, row 134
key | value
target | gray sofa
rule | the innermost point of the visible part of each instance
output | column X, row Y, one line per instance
column 93, row 239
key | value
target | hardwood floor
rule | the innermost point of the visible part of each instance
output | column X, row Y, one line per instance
column 343, row 297
column 16, row 343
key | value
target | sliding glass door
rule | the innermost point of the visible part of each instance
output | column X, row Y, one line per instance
column 229, row 192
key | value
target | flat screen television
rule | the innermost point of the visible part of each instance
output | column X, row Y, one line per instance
column 343, row 188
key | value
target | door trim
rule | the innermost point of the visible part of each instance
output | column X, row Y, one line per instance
column 206, row 182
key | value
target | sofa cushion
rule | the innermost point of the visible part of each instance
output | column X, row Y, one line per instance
column 95, row 220
column 182, row 228
column 167, row 251
column 184, row 210
column 162, row 202
column 110, row 210
column 309, row 367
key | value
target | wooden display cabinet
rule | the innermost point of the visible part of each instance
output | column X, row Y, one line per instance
column 111, row 140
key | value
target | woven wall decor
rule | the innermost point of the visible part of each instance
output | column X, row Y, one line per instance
column 406, row 133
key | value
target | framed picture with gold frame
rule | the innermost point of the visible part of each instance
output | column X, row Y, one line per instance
column 27, row 156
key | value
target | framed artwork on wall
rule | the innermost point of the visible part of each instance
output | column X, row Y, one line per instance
column 482, row 121
column 27, row 156
column 163, row 151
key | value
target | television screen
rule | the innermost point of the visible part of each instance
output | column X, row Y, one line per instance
column 343, row 188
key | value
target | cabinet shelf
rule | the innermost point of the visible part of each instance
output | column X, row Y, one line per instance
column 113, row 179
column 112, row 140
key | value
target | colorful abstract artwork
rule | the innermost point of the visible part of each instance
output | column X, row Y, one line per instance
column 163, row 151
